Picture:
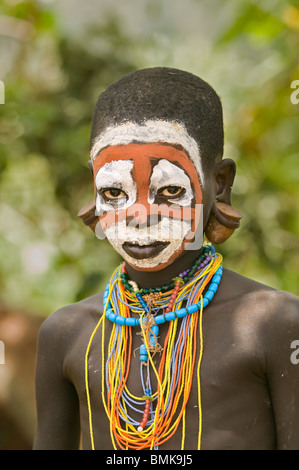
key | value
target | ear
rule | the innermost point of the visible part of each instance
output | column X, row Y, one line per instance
column 87, row 213
column 88, row 216
column 224, row 173
column 90, row 165
column 224, row 218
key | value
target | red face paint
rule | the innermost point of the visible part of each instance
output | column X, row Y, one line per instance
column 144, row 158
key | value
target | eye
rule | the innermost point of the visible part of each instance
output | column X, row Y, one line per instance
column 113, row 194
column 171, row 191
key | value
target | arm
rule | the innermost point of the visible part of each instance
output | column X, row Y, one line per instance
column 56, row 398
column 283, row 375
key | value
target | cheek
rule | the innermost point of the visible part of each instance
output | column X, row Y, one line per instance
column 196, row 209
column 197, row 190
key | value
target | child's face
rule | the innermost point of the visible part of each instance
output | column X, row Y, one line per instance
column 148, row 198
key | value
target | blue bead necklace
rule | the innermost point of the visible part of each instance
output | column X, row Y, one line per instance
column 169, row 315
column 187, row 289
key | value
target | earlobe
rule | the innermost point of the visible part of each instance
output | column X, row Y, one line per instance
column 88, row 216
column 224, row 219
column 90, row 165
column 87, row 213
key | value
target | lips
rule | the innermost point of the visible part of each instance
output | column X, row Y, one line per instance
column 144, row 251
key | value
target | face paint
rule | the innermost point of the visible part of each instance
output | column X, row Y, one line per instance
column 115, row 175
column 151, row 180
column 173, row 133
column 167, row 174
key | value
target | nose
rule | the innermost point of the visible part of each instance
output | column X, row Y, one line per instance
column 139, row 215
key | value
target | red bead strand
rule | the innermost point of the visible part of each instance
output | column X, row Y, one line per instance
column 145, row 415
column 173, row 296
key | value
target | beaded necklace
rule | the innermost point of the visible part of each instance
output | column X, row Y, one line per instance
column 128, row 308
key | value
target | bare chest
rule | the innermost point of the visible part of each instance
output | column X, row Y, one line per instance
column 204, row 388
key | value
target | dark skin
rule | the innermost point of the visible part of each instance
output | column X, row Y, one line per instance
column 249, row 386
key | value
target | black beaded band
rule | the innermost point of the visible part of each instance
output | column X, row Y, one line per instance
column 185, row 276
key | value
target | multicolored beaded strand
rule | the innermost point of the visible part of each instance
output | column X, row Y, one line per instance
column 182, row 313
column 174, row 377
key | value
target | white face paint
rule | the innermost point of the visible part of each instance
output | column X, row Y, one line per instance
column 173, row 133
column 116, row 174
column 127, row 151
column 167, row 174
column 168, row 230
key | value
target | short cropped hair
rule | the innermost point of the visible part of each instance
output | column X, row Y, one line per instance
column 166, row 94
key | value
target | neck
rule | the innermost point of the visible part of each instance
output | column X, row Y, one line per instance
column 148, row 279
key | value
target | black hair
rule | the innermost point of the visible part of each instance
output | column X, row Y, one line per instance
column 166, row 94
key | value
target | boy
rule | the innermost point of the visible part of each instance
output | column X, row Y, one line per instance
column 177, row 353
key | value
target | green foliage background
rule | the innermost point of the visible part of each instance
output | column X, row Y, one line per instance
column 247, row 50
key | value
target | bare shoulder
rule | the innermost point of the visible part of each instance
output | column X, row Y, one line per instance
column 241, row 285
column 69, row 320
column 274, row 311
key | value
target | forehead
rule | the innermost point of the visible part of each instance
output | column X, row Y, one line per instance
column 151, row 131
column 145, row 157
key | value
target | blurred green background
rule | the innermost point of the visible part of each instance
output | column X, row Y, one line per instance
column 55, row 59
